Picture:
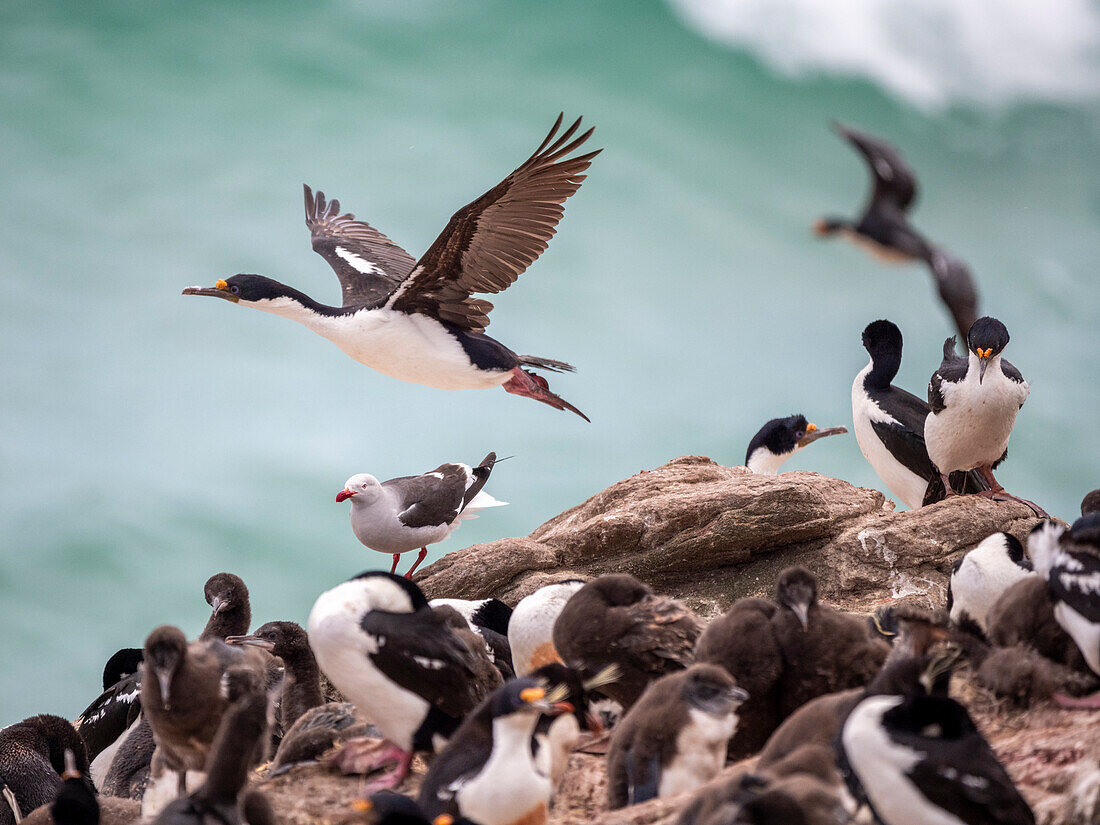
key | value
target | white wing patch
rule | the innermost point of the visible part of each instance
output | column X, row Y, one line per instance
column 428, row 664
column 358, row 264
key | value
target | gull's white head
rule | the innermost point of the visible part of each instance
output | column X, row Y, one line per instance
column 362, row 487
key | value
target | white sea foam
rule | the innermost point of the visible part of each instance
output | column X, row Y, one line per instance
column 931, row 53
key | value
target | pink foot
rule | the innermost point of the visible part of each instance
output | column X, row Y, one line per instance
column 394, row 777
column 360, row 755
column 1091, row 702
column 534, row 386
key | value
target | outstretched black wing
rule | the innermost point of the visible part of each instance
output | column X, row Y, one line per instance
column 490, row 242
column 893, row 179
column 368, row 264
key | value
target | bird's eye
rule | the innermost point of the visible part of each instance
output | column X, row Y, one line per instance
column 236, row 290
column 798, row 435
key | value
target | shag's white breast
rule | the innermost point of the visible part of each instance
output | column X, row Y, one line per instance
column 974, row 427
column 901, row 481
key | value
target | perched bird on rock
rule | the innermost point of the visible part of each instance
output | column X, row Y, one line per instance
column 889, row 425
column 531, row 625
column 674, row 738
column 980, row 577
column 824, row 650
column 411, row 512
column 885, row 232
column 781, row 438
column 417, row 320
column 919, row 760
column 399, row 661
column 974, row 402
column 32, row 760
column 487, row 772
column 617, row 619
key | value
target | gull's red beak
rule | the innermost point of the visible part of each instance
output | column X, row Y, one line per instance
column 343, row 494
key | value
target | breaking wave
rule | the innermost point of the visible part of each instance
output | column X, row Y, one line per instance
column 931, row 53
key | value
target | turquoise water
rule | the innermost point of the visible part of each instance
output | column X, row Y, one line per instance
column 149, row 440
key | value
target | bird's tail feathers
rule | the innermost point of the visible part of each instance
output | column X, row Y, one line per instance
column 546, row 364
column 482, row 501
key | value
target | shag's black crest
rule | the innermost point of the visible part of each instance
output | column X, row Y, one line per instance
column 987, row 333
column 416, row 595
column 258, row 288
column 780, row 435
column 507, row 699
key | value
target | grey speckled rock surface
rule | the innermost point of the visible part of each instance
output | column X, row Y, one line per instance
column 710, row 534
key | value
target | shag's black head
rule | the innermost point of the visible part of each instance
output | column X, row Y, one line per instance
column 225, row 591
column 780, row 436
column 1086, row 529
column 246, row 287
column 1015, row 551
column 987, row 337
column 796, row 589
column 122, row 664
column 882, row 340
column 416, row 595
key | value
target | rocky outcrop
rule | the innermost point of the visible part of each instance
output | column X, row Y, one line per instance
column 710, row 534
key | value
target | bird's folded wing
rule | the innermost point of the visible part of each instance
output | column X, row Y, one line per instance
column 967, row 780
column 894, row 181
column 489, row 243
column 423, row 655
column 1075, row 580
column 369, row 265
column 952, row 369
column 432, row 499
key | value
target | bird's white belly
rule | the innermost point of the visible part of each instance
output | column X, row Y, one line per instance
column 411, row 348
column 899, row 479
column 508, row 789
column 389, row 535
column 974, row 427
column 976, row 587
column 881, row 766
column 700, row 753
column 396, row 712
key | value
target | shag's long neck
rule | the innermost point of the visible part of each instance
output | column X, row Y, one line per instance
column 885, row 363
column 297, row 306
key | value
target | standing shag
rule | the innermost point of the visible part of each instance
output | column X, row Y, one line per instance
column 974, row 402
column 416, row 320
column 889, row 424
column 884, row 229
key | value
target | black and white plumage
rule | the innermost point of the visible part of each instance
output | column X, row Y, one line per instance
column 487, row 773
column 919, row 760
column 974, row 402
column 531, row 625
column 980, row 577
column 781, row 438
column 674, row 737
column 416, row 320
column 398, row 661
column 889, row 424
column 411, row 512
column 1071, row 568
column 883, row 229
